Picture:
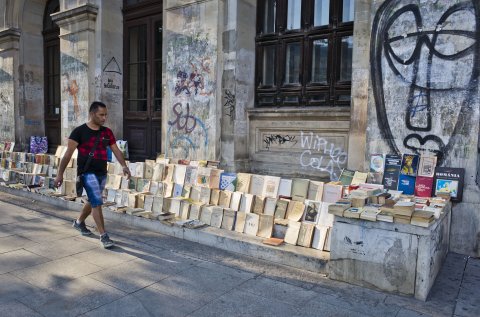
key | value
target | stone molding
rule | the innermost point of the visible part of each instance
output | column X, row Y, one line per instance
column 10, row 39
column 76, row 20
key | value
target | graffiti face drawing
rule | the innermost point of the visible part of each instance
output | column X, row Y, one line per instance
column 425, row 64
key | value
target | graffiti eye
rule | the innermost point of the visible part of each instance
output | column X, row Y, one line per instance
column 454, row 38
column 402, row 37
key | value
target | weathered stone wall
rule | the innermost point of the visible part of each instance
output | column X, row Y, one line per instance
column 190, row 98
column 424, row 61
column 8, row 62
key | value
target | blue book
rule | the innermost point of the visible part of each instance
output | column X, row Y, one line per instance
column 406, row 184
column 177, row 190
column 228, row 181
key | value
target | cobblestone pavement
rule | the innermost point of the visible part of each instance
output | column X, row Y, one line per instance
column 48, row 269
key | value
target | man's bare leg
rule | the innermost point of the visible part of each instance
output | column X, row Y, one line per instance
column 87, row 209
column 98, row 217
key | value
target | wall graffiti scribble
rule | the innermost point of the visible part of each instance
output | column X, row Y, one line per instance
column 278, row 139
column 186, row 121
column 229, row 104
column 322, row 155
column 425, row 67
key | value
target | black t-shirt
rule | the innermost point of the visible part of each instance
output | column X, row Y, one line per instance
column 86, row 140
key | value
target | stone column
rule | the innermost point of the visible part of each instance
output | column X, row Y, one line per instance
column 77, row 64
column 11, row 116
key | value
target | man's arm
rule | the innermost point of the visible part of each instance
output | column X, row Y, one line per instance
column 119, row 155
column 71, row 147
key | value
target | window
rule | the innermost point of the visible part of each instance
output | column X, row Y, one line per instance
column 304, row 52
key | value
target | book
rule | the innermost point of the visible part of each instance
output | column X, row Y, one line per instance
column 228, row 221
column 191, row 175
column 424, row 186
column 177, row 190
column 319, row 236
column 265, row 226
column 300, row 189
column 285, row 187
column 235, row 201
column 422, row 218
column 270, row 205
column 385, row 216
column 215, row 178
column 206, row 214
column 246, row 203
column 406, row 183
column 312, row 211
column 184, row 213
column 409, row 164
column 339, row 207
column 377, row 163
column 293, row 229
column 228, row 181
column 426, row 166
column 243, row 182
column 251, row 224
column 346, row 176
column 273, row 241
column 203, row 176
column 258, row 204
column 449, row 180
column 281, row 209
column 393, row 163
column 195, row 210
column 270, row 186
column 332, row 192
column 224, row 198
column 256, row 184
column 240, row 222
column 179, row 174
column 370, row 213
column 315, row 190
column 325, row 218
column 305, row 234
column 404, row 208
column 353, row 212
column 295, row 210
column 214, row 196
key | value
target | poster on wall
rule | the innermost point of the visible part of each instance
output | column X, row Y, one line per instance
column 449, row 180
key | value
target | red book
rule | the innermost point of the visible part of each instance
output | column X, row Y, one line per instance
column 424, row 186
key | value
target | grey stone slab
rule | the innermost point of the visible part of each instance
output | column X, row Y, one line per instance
column 319, row 308
column 238, row 303
column 14, row 308
column 73, row 298
column 238, row 273
column 14, row 242
column 434, row 307
column 410, row 313
column 198, row 285
column 104, row 257
column 283, row 292
column 64, row 247
column 133, row 275
column 11, row 287
column 19, row 259
column 53, row 273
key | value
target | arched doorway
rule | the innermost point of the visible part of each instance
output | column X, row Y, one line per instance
column 51, row 49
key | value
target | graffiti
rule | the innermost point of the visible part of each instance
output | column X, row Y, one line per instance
column 71, row 87
column 322, row 155
column 278, row 139
column 229, row 104
column 112, row 67
column 183, row 132
column 186, row 83
column 32, row 122
column 110, row 84
column 430, row 55
column 186, row 118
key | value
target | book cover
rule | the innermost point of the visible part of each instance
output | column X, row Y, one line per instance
column 305, row 235
column 251, row 224
column 285, row 187
column 228, row 221
column 332, row 192
column 224, row 198
column 410, row 164
column 270, row 205
column 300, row 189
column 450, row 180
column 319, row 236
column 406, row 183
column 377, row 163
column 312, row 211
column 293, row 229
column 281, row 209
column 315, row 190
column 228, row 181
column 256, row 184
column 206, row 214
column 346, row 176
column 427, row 165
column 179, row 174
column 240, row 222
column 235, row 201
column 265, row 226
column 215, row 178
column 191, row 175
column 217, row 217
column 246, row 203
column 243, row 182
column 393, row 163
column 424, row 186
column 359, row 178
column 270, row 186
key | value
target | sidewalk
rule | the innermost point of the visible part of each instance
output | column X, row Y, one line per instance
column 48, row 269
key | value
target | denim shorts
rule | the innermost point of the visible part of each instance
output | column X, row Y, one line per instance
column 94, row 185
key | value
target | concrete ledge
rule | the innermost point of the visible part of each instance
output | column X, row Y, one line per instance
column 303, row 258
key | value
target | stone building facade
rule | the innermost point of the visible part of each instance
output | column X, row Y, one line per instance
column 184, row 78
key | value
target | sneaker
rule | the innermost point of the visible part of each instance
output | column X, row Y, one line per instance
column 82, row 228
column 106, row 242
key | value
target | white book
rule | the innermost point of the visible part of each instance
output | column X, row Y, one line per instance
column 285, row 187
column 240, row 222
column 179, row 174
column 246, row 203
column 270, row 186
column 319, row 236
column 206, row 214
column 158, row 172
column 235, row 200
column 265, row 226
column 217, row 217
column 256, row 184
column 315, row 191
column 325, row 219
column 293, row 229
column 251, row 224
column 148, row 203
column 270, row 205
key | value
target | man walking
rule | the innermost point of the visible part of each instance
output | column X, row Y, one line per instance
column 91, row 139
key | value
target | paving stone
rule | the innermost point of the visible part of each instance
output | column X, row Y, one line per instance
column 14, row 308
column 11, row 287
column 238, row 303
column 133, row 275
column 104, row 257
column 241, row 274
column 199, row 285
column 410, row 313
column 13, row 242
column 19, row 259
column 73, row 298
column 283, row 292
column 320, row 308
column 63, row 247
column 50, row 274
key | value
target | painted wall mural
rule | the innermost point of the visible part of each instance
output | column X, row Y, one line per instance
column 7, row 110
column 425, row 59
column 191, row 81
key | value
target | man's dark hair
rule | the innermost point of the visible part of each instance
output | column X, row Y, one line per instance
column 95, row 105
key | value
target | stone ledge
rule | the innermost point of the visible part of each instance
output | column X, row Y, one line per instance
column 298, row 257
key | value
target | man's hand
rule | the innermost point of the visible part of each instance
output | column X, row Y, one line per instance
column 58, row 181
column 126, row 172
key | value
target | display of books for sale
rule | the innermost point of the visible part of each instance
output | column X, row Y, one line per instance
column 449, row 180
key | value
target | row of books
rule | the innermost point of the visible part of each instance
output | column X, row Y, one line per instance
column 7, row 146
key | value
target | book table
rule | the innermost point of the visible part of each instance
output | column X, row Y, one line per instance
column 392, row 257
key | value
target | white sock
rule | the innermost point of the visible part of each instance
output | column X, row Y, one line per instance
column 77, row 222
